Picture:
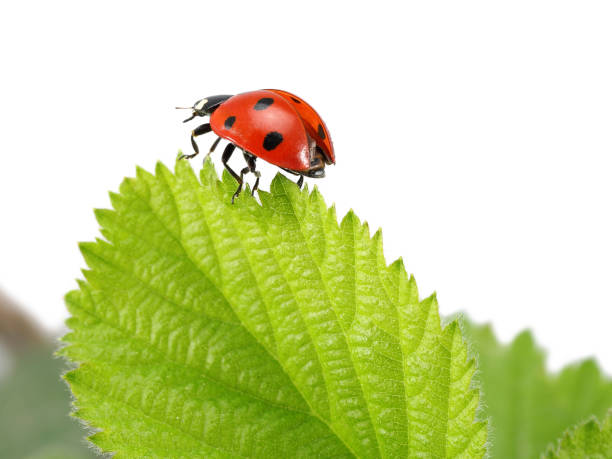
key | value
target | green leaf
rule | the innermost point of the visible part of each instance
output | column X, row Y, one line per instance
column 206, row 329
column 528, row 407
column 589, row 440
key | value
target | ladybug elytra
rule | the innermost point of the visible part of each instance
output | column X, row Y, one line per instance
column 270, row 124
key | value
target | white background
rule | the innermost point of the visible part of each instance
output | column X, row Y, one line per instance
column 476, row 133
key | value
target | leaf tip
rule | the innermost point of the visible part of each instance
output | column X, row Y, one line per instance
column 161, row 170
column 70, row 376
column 349, row 220
column 315, row 195
column 140, row 172
column 85, row 246
column 181, row 166
column 279, row 179
column 208, row 170
column 104, row 216
column 378, row 239
column 73, row 295
column 398, row 264
column 524, row 338
column 115, row 199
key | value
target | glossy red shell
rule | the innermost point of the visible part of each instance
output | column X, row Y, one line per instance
column 251, row 119
column 312, row 121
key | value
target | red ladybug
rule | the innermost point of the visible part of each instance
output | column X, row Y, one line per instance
column 270, row 124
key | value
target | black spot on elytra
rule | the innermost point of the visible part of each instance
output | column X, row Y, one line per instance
column 263, row 103
column 297, row 101
column 272, row 140
column 321, row 132
column 229, row 122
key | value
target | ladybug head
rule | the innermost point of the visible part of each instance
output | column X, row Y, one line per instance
column 317, row 163
column 205, row 107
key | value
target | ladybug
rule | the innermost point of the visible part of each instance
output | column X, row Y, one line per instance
column 270, row 124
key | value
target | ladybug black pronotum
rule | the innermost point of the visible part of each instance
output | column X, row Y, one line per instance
column 270, row 124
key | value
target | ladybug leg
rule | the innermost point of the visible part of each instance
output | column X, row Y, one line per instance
column 227, row 154
column 240, row 182
column 212, row 148
column 250, row 159
column 202, row 129
column 256, row 186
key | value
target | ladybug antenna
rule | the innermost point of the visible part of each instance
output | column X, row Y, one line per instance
column 187, row 108
column 190, row 118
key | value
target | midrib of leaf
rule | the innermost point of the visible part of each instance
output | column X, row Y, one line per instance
column 331, row 425
column 322, row 281
column 334, row 424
